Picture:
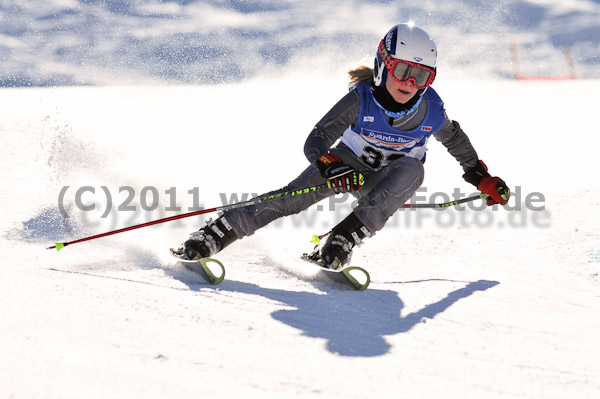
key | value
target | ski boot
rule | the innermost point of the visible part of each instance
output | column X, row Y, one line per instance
column 207, row 241
column 337, row 250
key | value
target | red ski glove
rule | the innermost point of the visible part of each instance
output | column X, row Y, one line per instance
column 496, row 189
column 341, row 177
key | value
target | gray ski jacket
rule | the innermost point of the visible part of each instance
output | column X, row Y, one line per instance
column 344, row 114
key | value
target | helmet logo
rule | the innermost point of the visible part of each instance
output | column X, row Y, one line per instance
column 418, row 59
column 388, row 41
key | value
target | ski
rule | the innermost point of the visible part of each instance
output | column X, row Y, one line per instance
column 355, row 276
column 211, row 269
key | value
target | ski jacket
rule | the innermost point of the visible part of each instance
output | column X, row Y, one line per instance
column 378, row 139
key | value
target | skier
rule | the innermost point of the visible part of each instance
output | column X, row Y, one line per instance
column 384, row 123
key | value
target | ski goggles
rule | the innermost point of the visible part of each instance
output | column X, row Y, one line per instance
column 406, row 71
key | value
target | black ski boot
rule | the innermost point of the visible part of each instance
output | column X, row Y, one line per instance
column 207, row 241
column 337, row 250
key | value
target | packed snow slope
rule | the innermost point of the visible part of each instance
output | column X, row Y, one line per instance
column 181, row 104
column 485, row 303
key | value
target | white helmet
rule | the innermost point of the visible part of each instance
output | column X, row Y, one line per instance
column 407, row 53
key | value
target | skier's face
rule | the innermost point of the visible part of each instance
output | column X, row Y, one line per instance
column 400, row 92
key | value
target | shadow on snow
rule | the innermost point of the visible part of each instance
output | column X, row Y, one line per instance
column 354, row 324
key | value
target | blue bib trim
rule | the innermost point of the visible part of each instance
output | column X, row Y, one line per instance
column 401, row 113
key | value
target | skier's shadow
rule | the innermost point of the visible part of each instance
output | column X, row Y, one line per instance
column 353, row 323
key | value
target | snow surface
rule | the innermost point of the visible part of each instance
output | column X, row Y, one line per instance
column 83, row 42
column 463, row 303
column 460, row 305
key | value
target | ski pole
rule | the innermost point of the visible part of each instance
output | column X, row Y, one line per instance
column 255, row 201
column 447, row 204
column 316, row 239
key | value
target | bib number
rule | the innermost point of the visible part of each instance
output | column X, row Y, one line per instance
column 374, row 158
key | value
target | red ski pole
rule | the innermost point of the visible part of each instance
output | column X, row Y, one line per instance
column 255, row 201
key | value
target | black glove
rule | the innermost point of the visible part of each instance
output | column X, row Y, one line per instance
column 341, row 177
column 496, row 189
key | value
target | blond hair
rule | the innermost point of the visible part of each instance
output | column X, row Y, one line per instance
column 359, row 75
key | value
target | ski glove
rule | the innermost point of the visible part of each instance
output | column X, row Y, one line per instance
column 340, row 177
column 496, row 189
